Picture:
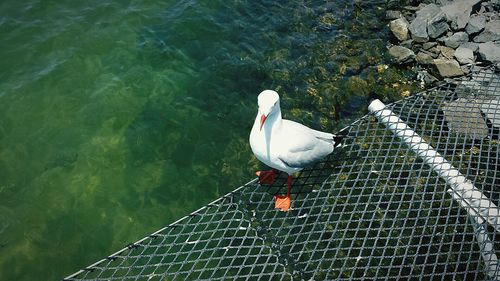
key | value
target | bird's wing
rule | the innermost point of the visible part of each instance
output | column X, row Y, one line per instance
column 301, row 145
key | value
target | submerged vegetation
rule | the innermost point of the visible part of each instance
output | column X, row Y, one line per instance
column 116, row 119
column 341, row 66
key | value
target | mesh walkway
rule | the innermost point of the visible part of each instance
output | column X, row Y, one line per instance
column 375, row 210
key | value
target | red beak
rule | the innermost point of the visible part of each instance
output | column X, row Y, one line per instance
column 262, row 120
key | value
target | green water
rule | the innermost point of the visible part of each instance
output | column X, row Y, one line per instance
column 118, row 117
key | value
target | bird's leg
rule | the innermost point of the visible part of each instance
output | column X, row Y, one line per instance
column 283, row 202
column 267, row 177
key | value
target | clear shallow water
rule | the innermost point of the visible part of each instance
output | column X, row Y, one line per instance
column 116, row 118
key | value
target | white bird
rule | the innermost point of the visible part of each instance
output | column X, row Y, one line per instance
column 285, row 145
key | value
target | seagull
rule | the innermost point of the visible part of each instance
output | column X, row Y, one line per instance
column 285, row 145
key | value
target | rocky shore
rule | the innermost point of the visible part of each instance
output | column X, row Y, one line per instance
column 442, row 38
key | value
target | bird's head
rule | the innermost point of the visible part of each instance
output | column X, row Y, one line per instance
column 269, row 104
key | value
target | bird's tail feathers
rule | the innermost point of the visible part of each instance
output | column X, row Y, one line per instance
column 337, row 138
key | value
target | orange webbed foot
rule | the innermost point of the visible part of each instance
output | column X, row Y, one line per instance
column 282, row 202
column 266, row 177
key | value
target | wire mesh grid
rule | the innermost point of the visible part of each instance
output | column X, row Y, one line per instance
column 374, row 210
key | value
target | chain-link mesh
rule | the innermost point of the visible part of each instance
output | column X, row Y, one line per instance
column 374, row 210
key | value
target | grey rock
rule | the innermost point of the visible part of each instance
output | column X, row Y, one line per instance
column 428, row 11
column 409, row 17
column 433, row 52
column 491, row 32
column 443, row 2
column 464, row 117
column 424, row 58
column 429, row 45
column 447, row 68
column 456, row 39
column 399, row 28
column 401, row 54
column 427, row 78
column 488, row 6
column 476, row 24
column 481, row 84
column 466, row 68
column 430, row 79
column 491, row 108
column 437, row 25
column 465, row 89
column 446, row 52
column 392, row 15
column 489, row 52
column 458, row 12
column 471, row 45
column 418, row 27
column 464, row 55
column 407, row 44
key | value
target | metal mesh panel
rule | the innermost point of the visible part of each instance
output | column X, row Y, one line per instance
column 373, row 210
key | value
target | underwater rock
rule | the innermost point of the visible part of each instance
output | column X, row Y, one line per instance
column 464, row 117
column 393, row 4
column 464, row 55
column 401, row 54
column 447, row 68
column 399, row 28
column 489, row 52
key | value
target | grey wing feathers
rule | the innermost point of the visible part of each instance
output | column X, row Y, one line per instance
column 307, row 156
column 306, row 145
